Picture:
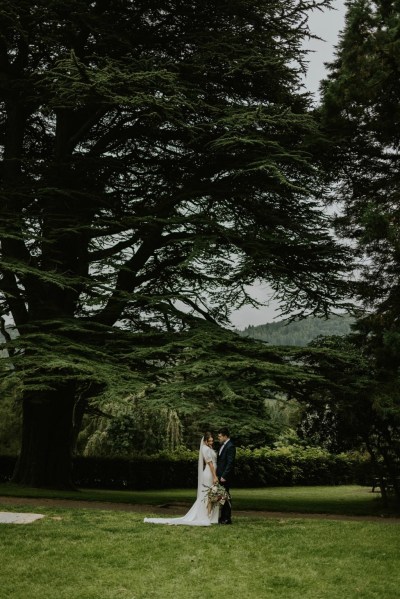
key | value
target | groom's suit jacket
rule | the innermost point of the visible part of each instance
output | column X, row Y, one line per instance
column 226, row 461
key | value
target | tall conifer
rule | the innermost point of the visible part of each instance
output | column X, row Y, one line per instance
column 361, row 117
column 156, row 161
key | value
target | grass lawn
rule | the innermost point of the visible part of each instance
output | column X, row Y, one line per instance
column 346, row 499
column 91, row 554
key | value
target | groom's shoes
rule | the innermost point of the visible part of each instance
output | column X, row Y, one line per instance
column 225, row 522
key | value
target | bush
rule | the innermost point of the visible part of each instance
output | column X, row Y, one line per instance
column 139, row 473
column 285, row 466
column 7, row 465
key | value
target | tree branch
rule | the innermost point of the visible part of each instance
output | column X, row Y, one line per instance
column 9, row 286
column 126, row 279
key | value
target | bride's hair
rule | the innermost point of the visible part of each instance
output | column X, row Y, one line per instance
column 207, row 435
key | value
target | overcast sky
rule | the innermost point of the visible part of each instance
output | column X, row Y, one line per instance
column 326, row 25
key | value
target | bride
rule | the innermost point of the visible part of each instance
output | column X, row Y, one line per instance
column 198, row 515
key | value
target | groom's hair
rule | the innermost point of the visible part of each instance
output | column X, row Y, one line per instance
column 224, row 431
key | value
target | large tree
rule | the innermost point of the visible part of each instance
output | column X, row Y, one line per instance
column 360, row 114
column 156, row 161
column 354, row 401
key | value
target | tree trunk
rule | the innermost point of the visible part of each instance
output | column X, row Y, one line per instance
column 47, row 434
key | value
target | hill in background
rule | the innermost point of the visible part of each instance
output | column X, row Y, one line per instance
column 282, row 332
column 300, row 332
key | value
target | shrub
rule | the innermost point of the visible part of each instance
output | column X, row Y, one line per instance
column 7, row 465
column 284, row 466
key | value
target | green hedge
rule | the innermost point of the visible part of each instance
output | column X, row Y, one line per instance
column 285, row 466
column 289, row 466
column 139, row 473
column 7, row 464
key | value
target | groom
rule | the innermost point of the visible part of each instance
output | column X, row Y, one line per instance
column 225, row 464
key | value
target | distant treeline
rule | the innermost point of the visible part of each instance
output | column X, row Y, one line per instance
column 300, row 332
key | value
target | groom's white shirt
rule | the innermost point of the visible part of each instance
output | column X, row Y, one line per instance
column 222, row 447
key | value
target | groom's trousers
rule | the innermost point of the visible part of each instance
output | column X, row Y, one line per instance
column 226, row 510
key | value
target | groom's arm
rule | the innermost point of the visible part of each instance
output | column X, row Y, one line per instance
column 230, row 459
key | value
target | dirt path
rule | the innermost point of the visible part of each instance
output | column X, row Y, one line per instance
column 178, row 509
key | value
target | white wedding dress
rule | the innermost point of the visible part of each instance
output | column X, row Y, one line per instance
column 198, row 514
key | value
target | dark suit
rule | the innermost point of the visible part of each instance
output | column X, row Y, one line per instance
column 225, row 469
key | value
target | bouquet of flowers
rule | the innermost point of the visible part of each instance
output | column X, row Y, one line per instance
column 214, row 495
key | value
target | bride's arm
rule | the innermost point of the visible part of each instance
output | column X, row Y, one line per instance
column 214, row 474
column 207, row 456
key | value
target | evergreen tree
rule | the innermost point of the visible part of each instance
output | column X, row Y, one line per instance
column 354, row 400
column 156, row 160
column 361, row 116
